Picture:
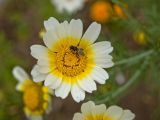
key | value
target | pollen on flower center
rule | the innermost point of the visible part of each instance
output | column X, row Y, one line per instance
column 70, row 63
column 32, row 97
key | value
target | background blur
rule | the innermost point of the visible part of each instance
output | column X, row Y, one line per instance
column 20, row 24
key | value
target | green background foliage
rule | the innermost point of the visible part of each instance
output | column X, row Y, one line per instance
column 20, row 24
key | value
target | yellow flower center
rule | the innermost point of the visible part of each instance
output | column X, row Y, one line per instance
column 70, row 63
column 35, row 98
column 101, row 11
column 32, row 97
column 70, row 60
column 97, row 117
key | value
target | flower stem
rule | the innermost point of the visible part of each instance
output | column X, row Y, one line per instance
column 135, row 58
column 126, row 86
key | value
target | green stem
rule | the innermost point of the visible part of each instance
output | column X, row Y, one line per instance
column 135, row 58
column 126, row 86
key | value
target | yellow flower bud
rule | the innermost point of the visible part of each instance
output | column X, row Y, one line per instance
column 139, row 38
column 119, row 11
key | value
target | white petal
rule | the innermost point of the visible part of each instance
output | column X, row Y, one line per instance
column 37, row 76
column 78, row 116
column 62, row 30
column 51, row 23
column 105, row 64
column 77, row 93
column 101, row 51
column 39, row 52
column 102, row 47
column 103, row 57
column 49, row 109
column 76, row 28
column 73, row 6
column 114, row 112
column 66, row 27
column 35, row 117
column 59, row 8
column 52, row 81
column 127, row 115
column 99, row 74
column 99, row 109
column 42, row 62
column 87, row 107
column 19, row 87
column 87, row 84
column 68, row 6
column 63, row 90
column 58, row 4
column 20, row 74
column 43, row 69
column 92, row 32
column 49, row 39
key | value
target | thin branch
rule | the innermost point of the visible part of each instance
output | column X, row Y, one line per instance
column 135, row 58
column 125, row 87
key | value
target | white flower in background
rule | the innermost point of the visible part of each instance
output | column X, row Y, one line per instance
column 70, row 61
column 1, row 2
column 36, row 97
column 120, row 78
column 70, row 6
column 90, row 111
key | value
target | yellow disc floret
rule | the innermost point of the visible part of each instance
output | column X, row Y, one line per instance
column 32, row 97
column 70, row 64
column 97, row 117
column 101, row 11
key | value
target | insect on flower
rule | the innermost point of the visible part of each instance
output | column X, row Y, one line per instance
column 76, row 50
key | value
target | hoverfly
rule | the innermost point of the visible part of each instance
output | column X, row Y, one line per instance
column 76, row 50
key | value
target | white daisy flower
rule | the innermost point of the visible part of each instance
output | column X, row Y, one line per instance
column 90, row 111
column 70, row 61
column 36, row 97
column 69, row 6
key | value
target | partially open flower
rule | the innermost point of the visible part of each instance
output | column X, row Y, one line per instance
column 90, row 111
column 36, row 97
column 70, row 61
